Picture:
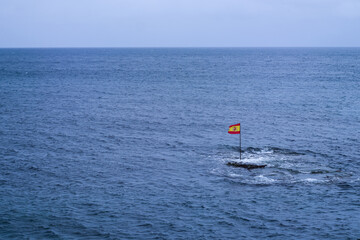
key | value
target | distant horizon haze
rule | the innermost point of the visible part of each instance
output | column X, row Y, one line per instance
column 161, row 23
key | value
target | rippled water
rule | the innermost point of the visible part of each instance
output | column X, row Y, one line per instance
column 133, row 143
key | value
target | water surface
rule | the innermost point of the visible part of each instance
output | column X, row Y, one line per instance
column 133, row 143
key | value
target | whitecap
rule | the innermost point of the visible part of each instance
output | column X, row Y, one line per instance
column 234, row 175
column 263, row 179
column 258, row 159
column 312, row 180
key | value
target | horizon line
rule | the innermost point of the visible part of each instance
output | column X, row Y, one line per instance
column 133, row 47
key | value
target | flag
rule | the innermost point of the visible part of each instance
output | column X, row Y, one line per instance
column 234, row 129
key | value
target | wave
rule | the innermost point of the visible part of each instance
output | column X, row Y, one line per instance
column 270, row 149
column 283, row 166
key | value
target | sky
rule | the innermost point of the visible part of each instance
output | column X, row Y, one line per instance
column 179, row 23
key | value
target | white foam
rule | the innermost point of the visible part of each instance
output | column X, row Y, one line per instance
column 256, row 159
column 263, row 179
column 266, row 151
column 234, row 175
column 312, row 180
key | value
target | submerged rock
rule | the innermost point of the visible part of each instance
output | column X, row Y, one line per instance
column 245, row 165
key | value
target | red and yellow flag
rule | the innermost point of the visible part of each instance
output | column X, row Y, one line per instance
column 234, row 129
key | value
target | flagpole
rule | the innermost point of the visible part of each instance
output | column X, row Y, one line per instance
column 240, row 142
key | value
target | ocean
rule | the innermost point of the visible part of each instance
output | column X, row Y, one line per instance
column 132, row 143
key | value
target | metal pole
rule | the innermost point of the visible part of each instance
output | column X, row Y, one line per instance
column 240, row 142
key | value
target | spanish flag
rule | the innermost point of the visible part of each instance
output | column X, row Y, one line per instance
column 234, row 129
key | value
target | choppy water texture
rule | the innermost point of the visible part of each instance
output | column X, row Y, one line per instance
column 133, row 143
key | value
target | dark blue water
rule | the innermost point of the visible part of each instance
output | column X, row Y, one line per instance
column 133, row 143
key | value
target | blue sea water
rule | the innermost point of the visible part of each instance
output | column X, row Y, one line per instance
column 133, row 143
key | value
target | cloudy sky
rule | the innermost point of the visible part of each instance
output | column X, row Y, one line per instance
column 179, row 23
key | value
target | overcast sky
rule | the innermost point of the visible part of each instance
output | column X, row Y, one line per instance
column 179, row 23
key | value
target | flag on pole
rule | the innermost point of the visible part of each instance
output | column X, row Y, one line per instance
column 234, row 129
